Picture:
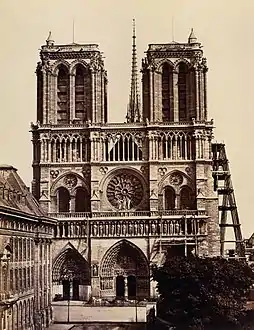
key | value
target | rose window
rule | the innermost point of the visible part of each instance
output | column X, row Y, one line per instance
column 124, row 191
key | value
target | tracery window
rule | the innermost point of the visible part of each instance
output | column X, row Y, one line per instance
column 82, row 201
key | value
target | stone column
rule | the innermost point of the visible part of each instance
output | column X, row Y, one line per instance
column 197, row 93
column 151, row 79
column 72, row 96
column 44, row 96
column 205, row 92
column 175, row 95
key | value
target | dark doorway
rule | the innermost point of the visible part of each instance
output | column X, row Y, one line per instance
column 120, row 287
column 75, row 295
column 66, row 290
column 132, row 287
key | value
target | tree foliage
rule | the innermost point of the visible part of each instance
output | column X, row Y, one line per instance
column 197, row 291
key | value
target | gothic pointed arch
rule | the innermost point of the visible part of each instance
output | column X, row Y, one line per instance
column 124, row 259
column 58, row 64
column 164, row 61
column 70, row 265
column 78, row 63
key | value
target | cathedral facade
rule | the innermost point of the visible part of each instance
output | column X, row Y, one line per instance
column 123, row 193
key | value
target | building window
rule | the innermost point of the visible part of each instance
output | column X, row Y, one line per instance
column 167, row 95
column 186, row 199
column 80, row 93
column 62, row 96
column 82, row 201
column 182, row 91
column 63, row 200
column 170, row 196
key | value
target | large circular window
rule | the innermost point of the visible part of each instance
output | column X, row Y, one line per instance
column 124, row 191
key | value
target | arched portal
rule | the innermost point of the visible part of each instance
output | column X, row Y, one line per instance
column 124, row 272
column 71, row 276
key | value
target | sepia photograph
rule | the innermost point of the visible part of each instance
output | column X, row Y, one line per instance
column 126, row 159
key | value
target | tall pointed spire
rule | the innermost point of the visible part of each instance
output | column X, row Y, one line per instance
column 133, row 110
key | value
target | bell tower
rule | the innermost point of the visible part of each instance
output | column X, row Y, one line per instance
column 180, row 134
column 174, row 82
column 71, row 94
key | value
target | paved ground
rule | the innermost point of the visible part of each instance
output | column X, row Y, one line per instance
column 109, row 327
column 61, row 326
column 97, row 326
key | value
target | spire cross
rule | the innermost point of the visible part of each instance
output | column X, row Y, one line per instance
column 133, row 111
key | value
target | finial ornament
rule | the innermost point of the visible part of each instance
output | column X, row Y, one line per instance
column 50, row 41
column 133, row 110
column 192, row 38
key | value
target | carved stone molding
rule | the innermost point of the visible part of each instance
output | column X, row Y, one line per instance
column 103, row 169
column 54, row 173
column 162, row 171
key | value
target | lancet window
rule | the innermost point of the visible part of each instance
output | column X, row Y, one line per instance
column 82, row 199
column 63, row 197
column 66, row 149
column 170, row 197
column 167, row 93
column 62, row 96
column 80, row 112
column 175, row 146
column 183, row 91
column 123, row 148
column 186, row 198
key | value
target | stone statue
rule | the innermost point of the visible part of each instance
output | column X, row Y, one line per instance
column 95, row 270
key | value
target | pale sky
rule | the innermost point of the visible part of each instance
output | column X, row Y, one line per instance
column 225, row 28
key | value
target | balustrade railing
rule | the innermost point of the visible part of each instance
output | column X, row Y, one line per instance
column 185, row 226
column 114, row 214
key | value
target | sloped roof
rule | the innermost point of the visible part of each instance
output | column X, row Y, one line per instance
column 14, row 194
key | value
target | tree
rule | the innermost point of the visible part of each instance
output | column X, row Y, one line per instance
column 198, row 291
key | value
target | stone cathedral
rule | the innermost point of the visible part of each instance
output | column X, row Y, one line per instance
column 123, row 193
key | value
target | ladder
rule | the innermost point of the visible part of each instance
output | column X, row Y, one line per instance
column 227, row 203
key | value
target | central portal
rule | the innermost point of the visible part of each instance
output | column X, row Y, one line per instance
column 124, row 273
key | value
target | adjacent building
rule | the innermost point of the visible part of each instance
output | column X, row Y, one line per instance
column 25, row 256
